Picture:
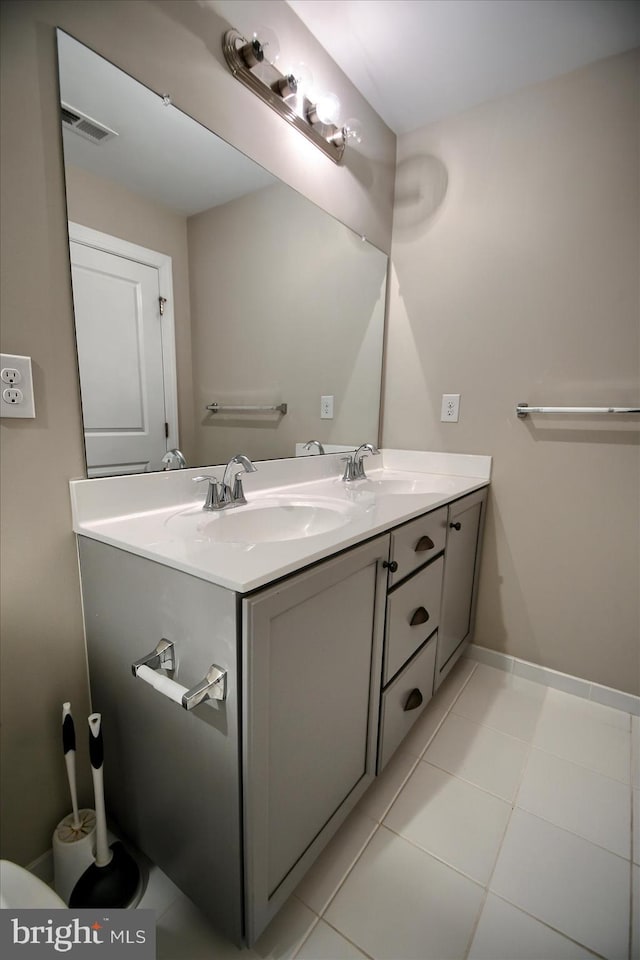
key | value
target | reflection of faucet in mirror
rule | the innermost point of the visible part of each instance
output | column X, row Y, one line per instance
column 174, row 460
column 234, row 496
column 364, row 450
column 314, row 443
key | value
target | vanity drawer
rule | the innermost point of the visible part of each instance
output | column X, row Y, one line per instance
column 413, row 613
column 417, row 542
column 404, row 700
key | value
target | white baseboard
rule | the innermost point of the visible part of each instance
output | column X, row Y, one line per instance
column 607, row 696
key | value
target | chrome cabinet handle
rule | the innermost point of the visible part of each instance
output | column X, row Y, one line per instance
column 424, row 543
column 421, row 615
column 213, row 685
column 414, row 700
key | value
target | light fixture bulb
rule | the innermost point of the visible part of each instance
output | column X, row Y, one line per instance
column 327, row 108
column 353, row 130
column 268, row 40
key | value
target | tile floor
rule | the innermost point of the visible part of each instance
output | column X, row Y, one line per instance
column 501, row 830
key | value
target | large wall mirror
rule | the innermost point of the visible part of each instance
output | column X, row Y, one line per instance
column 199, row 279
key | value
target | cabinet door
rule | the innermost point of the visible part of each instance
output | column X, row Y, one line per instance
column 311, row 666
column 462, row 554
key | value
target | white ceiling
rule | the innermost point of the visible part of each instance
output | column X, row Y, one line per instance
column 416, row 61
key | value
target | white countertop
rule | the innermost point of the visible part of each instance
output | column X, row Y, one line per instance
column 147, row 514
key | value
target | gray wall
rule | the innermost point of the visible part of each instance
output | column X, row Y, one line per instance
column 173, row 47
column 516, row 279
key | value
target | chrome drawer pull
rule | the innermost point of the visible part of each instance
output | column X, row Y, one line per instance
column 424, row 543
column 413, row 700
column 213, row 685
column 419, row 616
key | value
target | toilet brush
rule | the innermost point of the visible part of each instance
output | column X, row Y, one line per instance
column 73, row 839
column 69, row 747
column 113, row 879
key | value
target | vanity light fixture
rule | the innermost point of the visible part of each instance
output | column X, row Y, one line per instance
column 285, row 93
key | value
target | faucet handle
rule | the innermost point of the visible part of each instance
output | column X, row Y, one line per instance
column 237, row 495
column 349, row 469
column 212, row 501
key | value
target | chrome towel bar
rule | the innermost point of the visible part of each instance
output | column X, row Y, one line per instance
column 523, row 409
column 247, row 408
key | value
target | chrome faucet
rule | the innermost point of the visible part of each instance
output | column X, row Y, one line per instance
column 174, row 460
column 222, row 496
column 233, row 496
column 314, row 443
column 364, row 450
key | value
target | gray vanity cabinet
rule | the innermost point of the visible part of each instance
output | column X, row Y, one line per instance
column 326, row 671
column 311, row 654
column 460, row 586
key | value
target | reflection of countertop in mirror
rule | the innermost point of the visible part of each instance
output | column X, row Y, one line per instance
column 298, row 512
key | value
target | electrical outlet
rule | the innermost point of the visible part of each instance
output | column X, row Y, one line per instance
column 10, row 375
column 16, row 399
column 450, row 412
column 326, row 408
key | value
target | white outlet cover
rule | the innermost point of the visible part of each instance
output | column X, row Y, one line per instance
column 450, row 412
column 25, row 407
column 326, row 408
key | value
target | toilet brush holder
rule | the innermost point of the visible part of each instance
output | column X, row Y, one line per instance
column 74, row 849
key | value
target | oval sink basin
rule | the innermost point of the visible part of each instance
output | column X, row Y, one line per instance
column 264, row 521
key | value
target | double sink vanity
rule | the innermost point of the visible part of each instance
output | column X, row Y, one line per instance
column 257, row 667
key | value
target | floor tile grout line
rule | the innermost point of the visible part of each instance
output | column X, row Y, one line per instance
column 490, row 726
column 347, row 875
column 580, row 836
column 348, row 939
column 457, row 776
column 470, row 783
column 487, row 890
column 309, row 931
column 577, row 763
column 435, row 856
column 561, row 933
column 414, row 765
column 375, row 824
column 582, row 766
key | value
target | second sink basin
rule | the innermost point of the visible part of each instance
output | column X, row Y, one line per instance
column 267, row 520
